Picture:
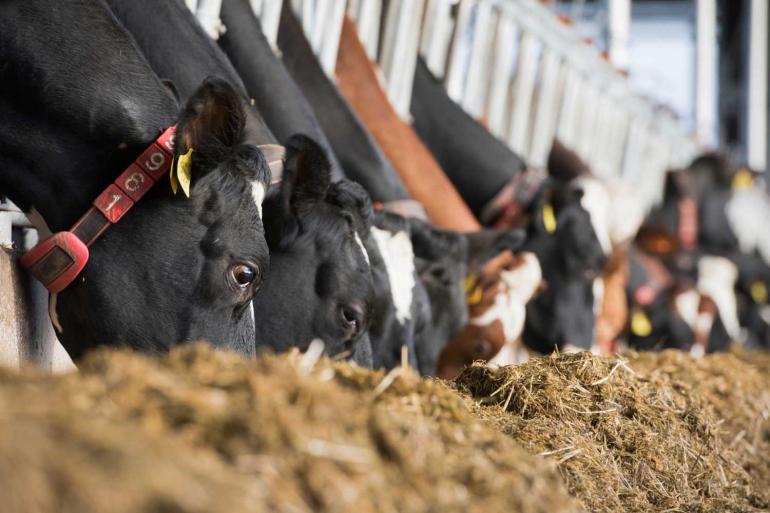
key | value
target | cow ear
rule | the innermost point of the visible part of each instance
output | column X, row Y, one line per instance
column 432, row 243
column 353, row 198
column 211, row 124
column 484, row 245
column 306, row 173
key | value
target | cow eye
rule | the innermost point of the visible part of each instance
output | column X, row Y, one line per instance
column 243, row 275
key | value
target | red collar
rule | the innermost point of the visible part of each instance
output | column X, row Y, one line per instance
column 57, row 260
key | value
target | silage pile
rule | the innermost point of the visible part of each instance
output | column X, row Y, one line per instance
column 736, row 388
column 623, row 440
column 201, row 431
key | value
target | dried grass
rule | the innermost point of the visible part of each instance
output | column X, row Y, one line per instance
column 281, row 434
column 623, row 440
column 736, row 388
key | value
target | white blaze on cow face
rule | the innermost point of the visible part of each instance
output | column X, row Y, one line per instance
column 398, row 254
column 258, row 193
column 716, row 279
column 361, row 247
column 596, row 202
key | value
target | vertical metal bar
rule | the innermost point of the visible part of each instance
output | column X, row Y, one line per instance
column 706, row 71
column 192, row 5
column 437, row 35
column 366, row 14
column 547, row 112
column 475, row 92
column 586, row 130
column 619, row 21
column 331, row 36
column 567, row 128
column 757, row 115
column 523, row 89
column 208, row 16
column 503, row 68
column 269, row 14
column 458, row 59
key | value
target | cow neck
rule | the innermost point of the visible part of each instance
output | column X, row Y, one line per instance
column 57, row 260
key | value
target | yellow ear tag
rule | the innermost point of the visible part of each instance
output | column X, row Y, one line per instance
column 549, row 218
column 742, row 179
column 758, row 292
column 640, row 324
column 475, row 297
column 470, row 281
column 184, row 171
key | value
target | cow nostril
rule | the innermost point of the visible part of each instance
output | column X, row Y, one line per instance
column 351, row 317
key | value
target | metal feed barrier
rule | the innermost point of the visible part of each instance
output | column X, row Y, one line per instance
column 517, row 67
column 26, row 334
column 512, row 64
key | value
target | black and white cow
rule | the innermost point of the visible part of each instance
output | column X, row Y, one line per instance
column 336, row 306
column 402, row 308
column 568, row 232
column 320, row 284
column 182, row 54
column 77, row 107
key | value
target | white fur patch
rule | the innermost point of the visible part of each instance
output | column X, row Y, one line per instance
column 510, row 354
column 52, row 312
column 258, row 193
column 747, row 213
column 596, row 201
column 716, row 279
column 509, row 306
column 686, row 304
column 398, row 254
column 361, row 246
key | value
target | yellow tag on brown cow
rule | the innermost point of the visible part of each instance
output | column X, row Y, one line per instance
column 758, row 292
column 640, row 323
column 549, row 218
column 474, row 297
column 470, row 282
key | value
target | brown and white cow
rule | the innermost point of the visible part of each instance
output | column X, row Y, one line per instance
column 496, row 296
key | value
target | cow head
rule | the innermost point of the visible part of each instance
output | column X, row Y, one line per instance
column 563, row 235
column 496, row 296
column 320, row 284
column 178, row 269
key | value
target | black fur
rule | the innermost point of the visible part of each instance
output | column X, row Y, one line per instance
column 76, row 107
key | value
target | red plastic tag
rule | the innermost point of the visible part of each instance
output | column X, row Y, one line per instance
column 57, row 261
column 134, row 182
column 113, row 203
